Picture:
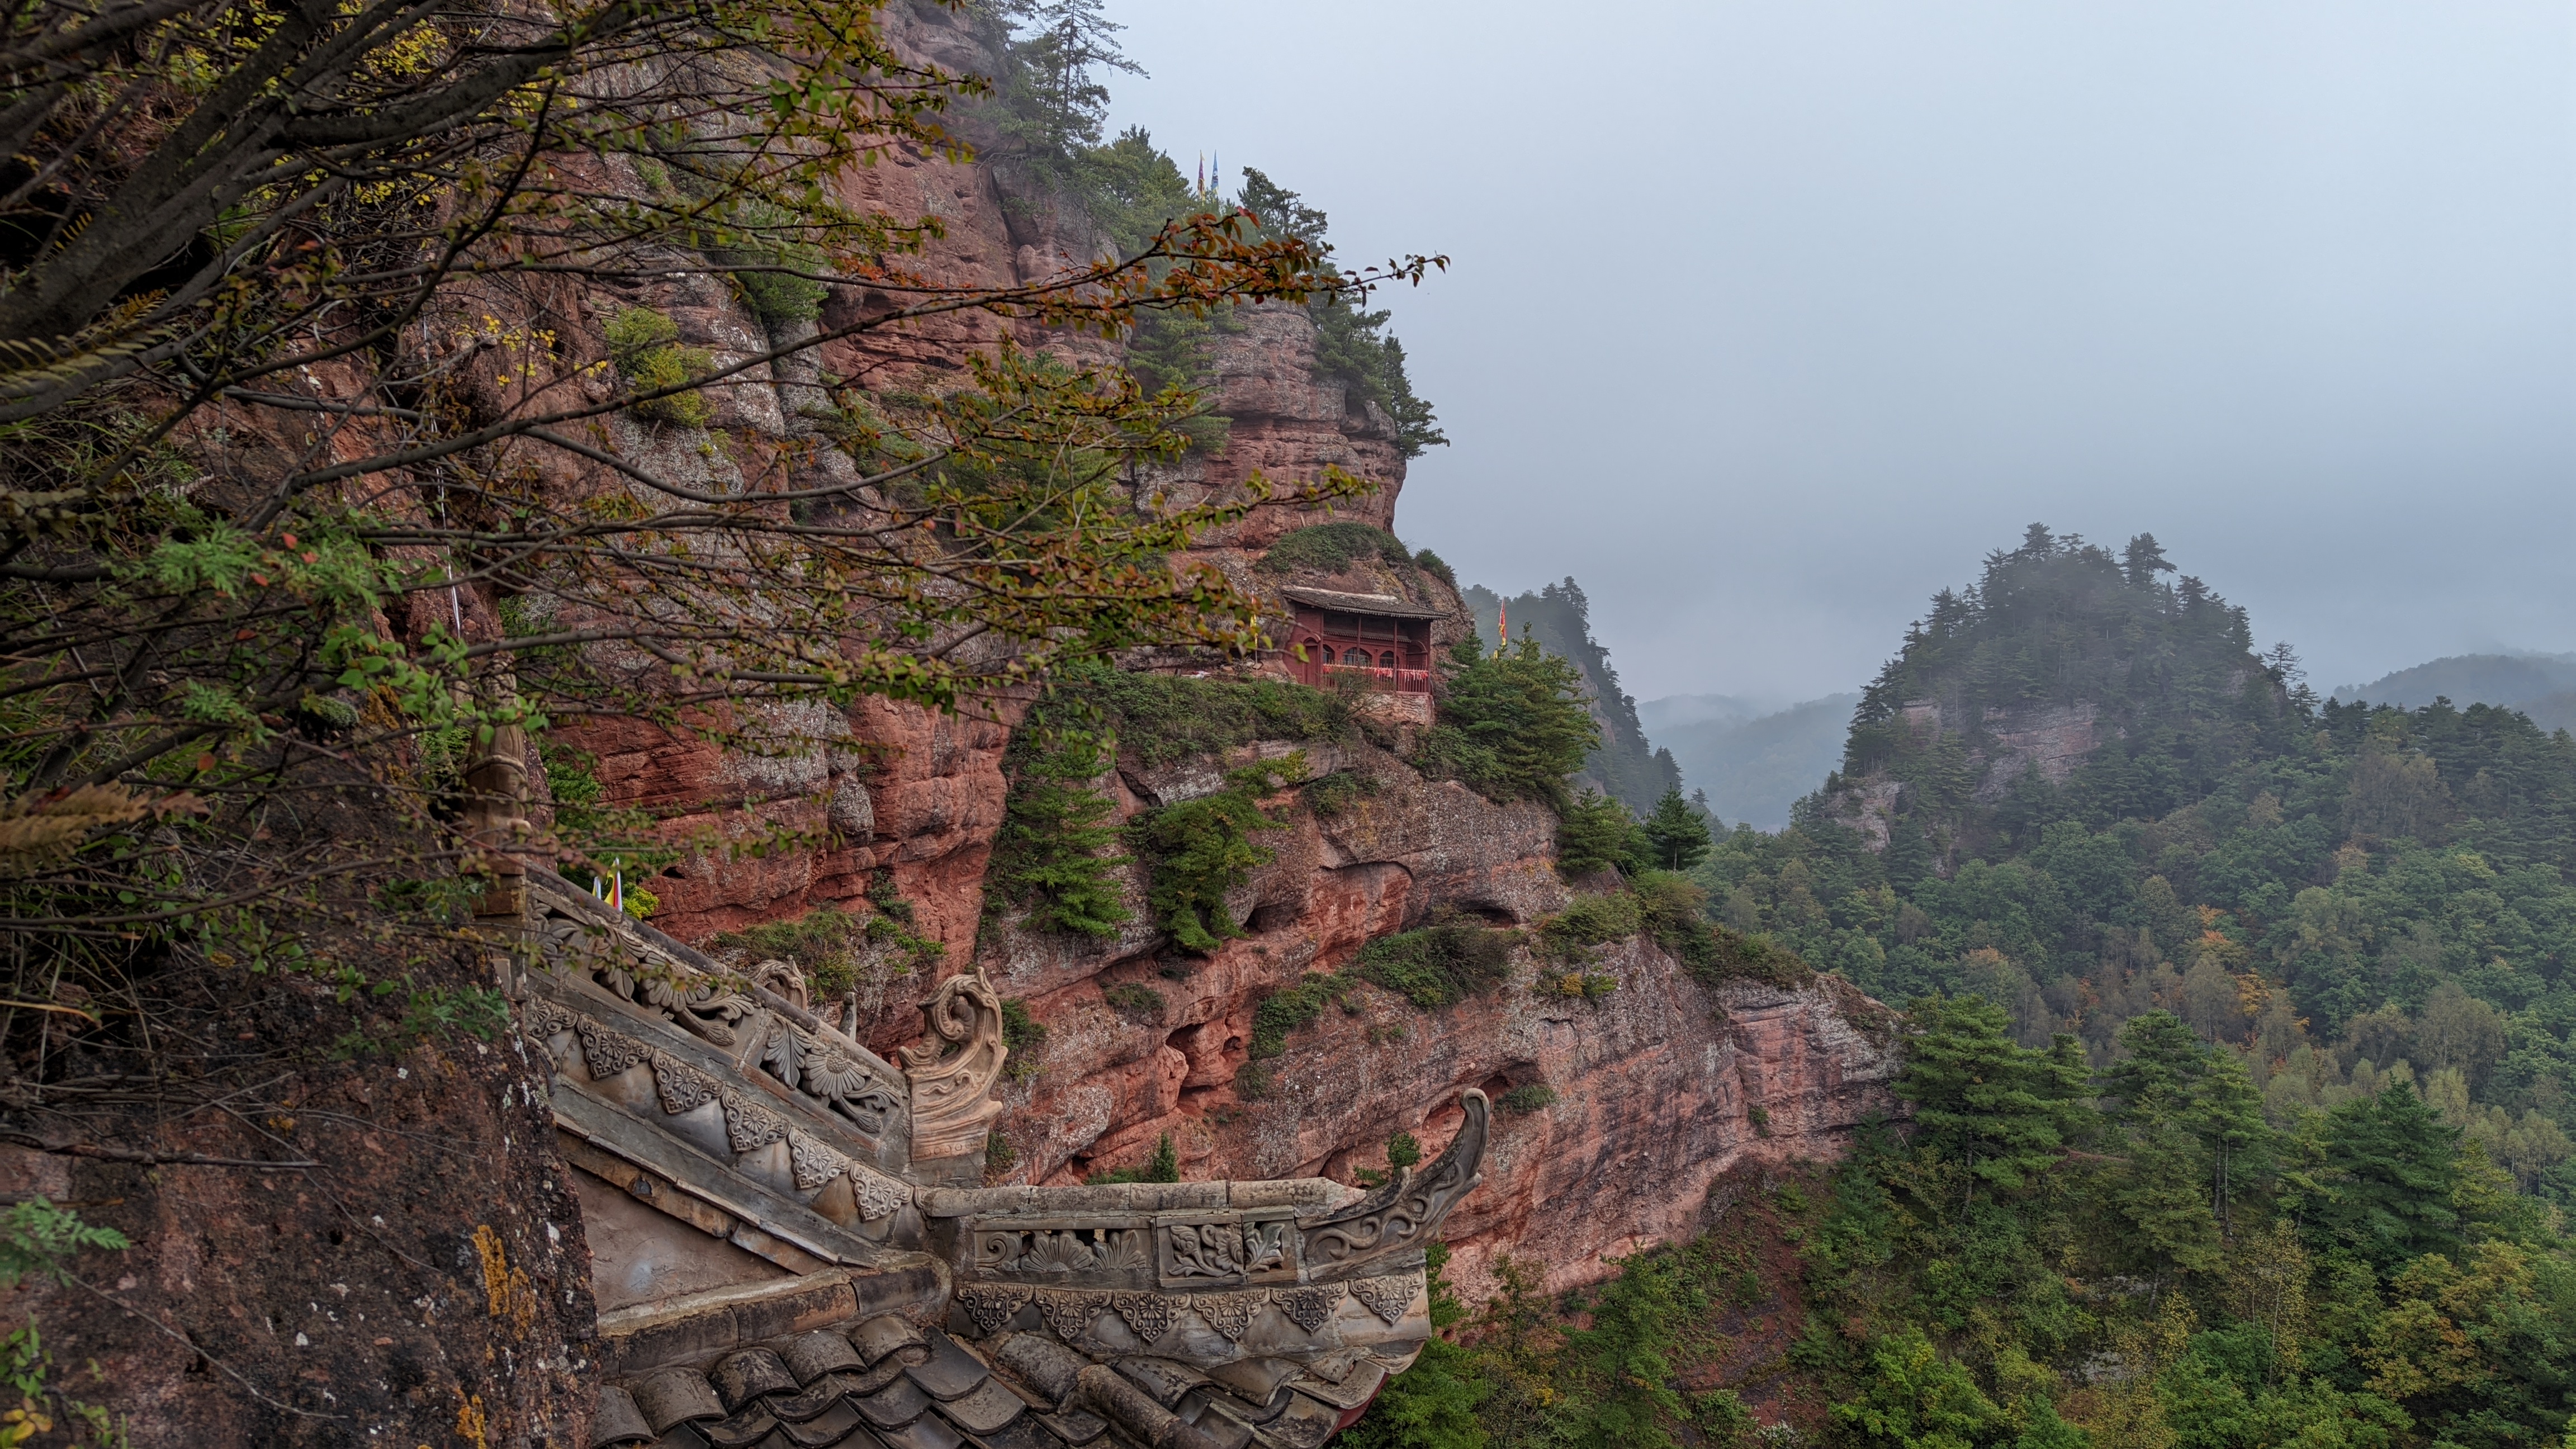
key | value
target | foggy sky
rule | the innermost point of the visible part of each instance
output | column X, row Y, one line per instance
column 1767, row 320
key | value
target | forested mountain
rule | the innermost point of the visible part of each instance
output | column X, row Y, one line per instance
column 2336, row 892
column 2237, row 1053
column 1626, row 767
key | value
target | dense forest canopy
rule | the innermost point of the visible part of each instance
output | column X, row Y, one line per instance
column 2236, row 1071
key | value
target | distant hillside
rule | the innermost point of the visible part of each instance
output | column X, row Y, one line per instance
column 2467, row 679
column 1753, row 767
column 1673, row 711
column 1559, row 617
column 2542, row 686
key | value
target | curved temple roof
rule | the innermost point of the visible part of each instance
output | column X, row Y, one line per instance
column 780, row 1267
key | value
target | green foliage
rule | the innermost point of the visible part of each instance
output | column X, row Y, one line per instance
column 1596, row 834
column 1131, row 998
column 1673, row 909
column 1623, row 765
column 1527, row 1097
column 999, row 1155
column 1676, row 834
column 2392, row 1173
column 1285, row 1010
column 646, row 347
column 1570, row 935
column 1402, row 1150
column 1163, row 1166
column 1436, row 566
column 2005, row 1112
column 1199, row 850
column 1432, row 1405
column 1337, row 792
column 37, row 1239
column 1333, row 547
column 1439, row 964
column 2339, row 896
column 838, row 948
column 1512, row 725
column 27, row 1367
column 1918, row 1399
column 1052, row 855
column 1160, row 718
column 1023, row 1036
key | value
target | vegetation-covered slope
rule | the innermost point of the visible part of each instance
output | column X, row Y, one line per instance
column 2238, row 1059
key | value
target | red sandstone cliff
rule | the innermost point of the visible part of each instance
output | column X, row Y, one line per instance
column 1658, row 1084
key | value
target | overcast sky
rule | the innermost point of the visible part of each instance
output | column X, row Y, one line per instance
column 1766, row 320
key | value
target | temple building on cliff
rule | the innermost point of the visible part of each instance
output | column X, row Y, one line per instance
column 791, row 1248
column 1375, row 641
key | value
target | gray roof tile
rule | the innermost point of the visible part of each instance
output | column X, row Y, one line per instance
column 1166, row 1379
column 1021, row 1433
column 743, row 1430
column 950, row 1372
column 878, row 1337
column 675, row 1396
column 618, row 1423
column 988, row 1408
column 895, row 1405
column 1042, row 1363
column 825, row 1429
column 927, row 1432
column 747, row 1375
column 811, row 1355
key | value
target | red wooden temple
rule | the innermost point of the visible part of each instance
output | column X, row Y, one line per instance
column 1376, row 641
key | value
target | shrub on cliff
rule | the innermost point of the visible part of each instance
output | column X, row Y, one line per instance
column 1199, row 850
column 1442, row 963
column 1512, row 725
column 1160, row 718
column 1052, row 856
column 646, row 347
column 1333, row 547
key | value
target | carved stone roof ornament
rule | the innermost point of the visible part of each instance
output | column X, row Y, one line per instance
column 953, row 1072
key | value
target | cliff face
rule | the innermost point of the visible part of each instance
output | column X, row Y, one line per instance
column 1660, row 1087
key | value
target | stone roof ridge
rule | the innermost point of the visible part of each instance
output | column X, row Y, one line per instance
column 1384, row 605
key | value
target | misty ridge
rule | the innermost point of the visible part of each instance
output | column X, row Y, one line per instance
column 1753, row 756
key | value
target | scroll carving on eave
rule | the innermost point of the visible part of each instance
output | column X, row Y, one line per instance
column 1405, row 1214
column 952, row 1094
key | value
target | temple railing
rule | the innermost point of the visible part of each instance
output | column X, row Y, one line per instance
column 1371, row 677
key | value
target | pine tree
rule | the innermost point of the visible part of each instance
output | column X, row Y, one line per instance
column 1676, row 835
column 2391, row 1167
column 2227, row 1115
column 2161, row 1063
column 1596, row 834
column 2007, row 1112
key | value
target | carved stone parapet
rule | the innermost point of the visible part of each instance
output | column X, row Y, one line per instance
column 754, row 1026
